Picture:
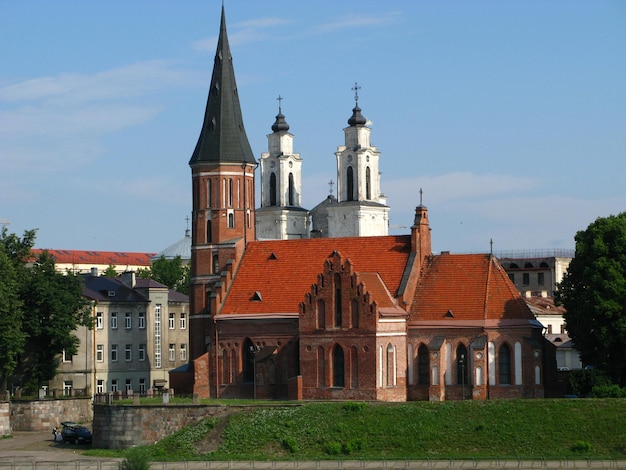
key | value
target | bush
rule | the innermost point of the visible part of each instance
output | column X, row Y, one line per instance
column 581, row 446
column 354, row 406
column 135, row 461
column 333, row 448
column 290, row 445
column 581, row 382
column 608, row 391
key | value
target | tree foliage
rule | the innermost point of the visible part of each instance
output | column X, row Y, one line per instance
column 170, row 272
column 593, row 292
column 39, row 310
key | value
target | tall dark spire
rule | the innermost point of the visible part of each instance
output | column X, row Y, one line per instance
column 223, row 136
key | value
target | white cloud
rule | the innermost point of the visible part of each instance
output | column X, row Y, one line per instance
column 358, row 21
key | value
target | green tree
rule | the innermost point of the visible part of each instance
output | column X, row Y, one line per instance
column 170, row 272
column 54, row 307
column 594, row 294
column 110, row 271
column 12, row 337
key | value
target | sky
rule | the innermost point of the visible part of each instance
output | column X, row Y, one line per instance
column 509, row 115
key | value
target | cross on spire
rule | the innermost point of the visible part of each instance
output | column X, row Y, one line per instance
column 331, row 184
column 421, row 193
column 280, row 103
column 356, row 89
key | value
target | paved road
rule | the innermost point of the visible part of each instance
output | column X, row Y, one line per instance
column 37, row 451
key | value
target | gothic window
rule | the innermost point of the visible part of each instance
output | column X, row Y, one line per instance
column 196, row 199
column 273, row 189
column 368, row 186
column 461, row 365
column 230, row 192
column 247, row 362
column 216, row 264
column 349, row 184
column 504, row 365
column 354, row 369
column 338, row 367
column 225, row 367
column 208, row 193
column 355, row 313
column 423, row 366
column 338, row 309
column 231, row 220
column 209, row 236
column 291, row 190
column 391, row 366
column 321, row 314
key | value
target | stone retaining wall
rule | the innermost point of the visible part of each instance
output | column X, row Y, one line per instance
column 43, row 415
column 5, row 419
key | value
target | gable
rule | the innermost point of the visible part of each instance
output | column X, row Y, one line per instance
column 281, row 272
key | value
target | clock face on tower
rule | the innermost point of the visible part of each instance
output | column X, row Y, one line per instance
column 349, row 158
column 273, row 164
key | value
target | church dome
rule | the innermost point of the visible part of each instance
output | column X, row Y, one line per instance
column 181, row 248
column 280, row 124
column 357, row 119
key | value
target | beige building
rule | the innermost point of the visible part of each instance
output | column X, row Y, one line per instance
column 536, row 272
column 140, row 333
column 83, row 261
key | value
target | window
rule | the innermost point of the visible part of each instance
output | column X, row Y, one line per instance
column 338, row 367
column 349, row 185
column 114, row 385
column 157, row 336
column 67, row 388
column 273, row 189
column 172, row 321
column 291, row 191
column 114, row 352
column 142, row 352
column 230, row 192
column 100, row 352
column 128, row 352
column 99, row 320
column 368, row 184
column 183, row 321
column 512, row 277
column 66, row 357
column 525, row 278
column 216, row 264
column 183, row 352
column 209, row 231
column 128, row 321
column 423, row 366
column 391, row 365
column 129, row 385
column 461, row 365
column 100, row 386
column 338, row 309
column 231, row 220
column 172, row 351
column 142, row 385
column 114, row 320
column 504, row 365
column 142, row 320
column 540, row 279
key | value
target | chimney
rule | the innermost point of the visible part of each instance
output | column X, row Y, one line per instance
column 128, row 279
column 420, row 234
column 94, row 272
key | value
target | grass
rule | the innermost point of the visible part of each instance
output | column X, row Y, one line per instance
column 516, row 429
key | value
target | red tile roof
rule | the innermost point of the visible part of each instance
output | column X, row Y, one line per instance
column 282, row 271
column 466, row 288
column 98, row 257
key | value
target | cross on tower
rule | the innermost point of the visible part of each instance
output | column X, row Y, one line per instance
column 356, row 89
column 280, row 103
column 331, row 183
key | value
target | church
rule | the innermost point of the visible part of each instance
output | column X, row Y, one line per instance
column 323, row 304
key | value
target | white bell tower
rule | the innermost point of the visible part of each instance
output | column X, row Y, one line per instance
column 281, row 216
column 361, row 208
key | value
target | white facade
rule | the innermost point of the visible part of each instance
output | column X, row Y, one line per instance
column 281, row 215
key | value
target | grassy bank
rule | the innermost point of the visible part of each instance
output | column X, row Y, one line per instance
column 530, row 429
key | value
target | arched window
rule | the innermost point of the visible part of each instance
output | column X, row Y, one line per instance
column 338, row 367
column 273, row 189
column 225, row 367
column 247, row 363
column 355, row 313
column 291, row 190
column 216, row 263
column 209, row 232
column 504, row 365
column 528, row 264
column 338, row 301
column 231, row 220
column 368, row 185
column 321, row 314
column 208, row 193
column 391, row 366
column 461, row 365
column 230, row 192
column 423, row 366
column 349, row 184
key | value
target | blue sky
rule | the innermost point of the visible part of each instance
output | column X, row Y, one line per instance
column 510, row 115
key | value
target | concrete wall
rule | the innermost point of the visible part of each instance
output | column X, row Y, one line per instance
column 5, row 419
